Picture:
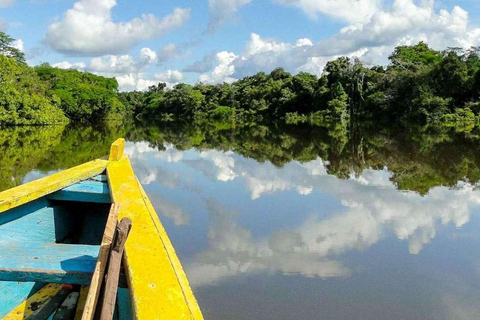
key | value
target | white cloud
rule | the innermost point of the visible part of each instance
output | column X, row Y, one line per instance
column 114, row 65
column 222, row 11
column 68, row 65
column 148, row 56
column 169, row 76
column 257, row 45
column 347, row 10
column 18, row 44
column 224, row 69
column 6, row 3
column 262, row 55
column 129, row 71
column 87, row 29
column 372, row 38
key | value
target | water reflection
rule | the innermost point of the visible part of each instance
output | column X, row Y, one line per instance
column 320, row 221
column 371, row 208
column 278, row 222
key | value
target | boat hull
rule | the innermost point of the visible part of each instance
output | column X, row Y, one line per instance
column 70, row 212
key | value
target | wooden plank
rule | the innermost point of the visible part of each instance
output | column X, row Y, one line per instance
column 30, row 306
column 47, row 310
column 82, row 300
column 66, row 310
column 114, row 264
column 32, row 222
column 159, row 287
column 96, row 283
column 47, row 262
column 116, row 150
column 36, row 189
column 84, row 191
column 38, row 225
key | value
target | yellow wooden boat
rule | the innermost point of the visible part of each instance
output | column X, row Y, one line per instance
column 55, row 235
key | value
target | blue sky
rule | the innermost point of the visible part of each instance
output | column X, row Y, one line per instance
column 146, row 41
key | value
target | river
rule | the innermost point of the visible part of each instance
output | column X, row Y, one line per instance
column 297, row 222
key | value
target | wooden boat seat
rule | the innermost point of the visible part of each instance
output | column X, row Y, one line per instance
column 47, row 262
column 95, row 190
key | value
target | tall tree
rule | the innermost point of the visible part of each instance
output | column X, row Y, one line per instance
column 7, row 48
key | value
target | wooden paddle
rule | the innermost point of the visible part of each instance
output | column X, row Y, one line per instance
column 107, row 303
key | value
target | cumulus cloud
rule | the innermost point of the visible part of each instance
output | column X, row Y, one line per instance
column 130, row 72
column 223, row 70
column 222, row 11
column 68, row 65
column 87, row 29
column 169, row 76
column 371, row 38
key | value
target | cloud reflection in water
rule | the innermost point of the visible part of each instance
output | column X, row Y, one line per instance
column 372, row 209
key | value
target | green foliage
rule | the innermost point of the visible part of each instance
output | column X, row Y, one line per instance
column 83, row 96
column 413, row 57
column 24, row 99
column 420, row 85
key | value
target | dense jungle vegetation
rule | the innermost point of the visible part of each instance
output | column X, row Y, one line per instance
column 419, row 85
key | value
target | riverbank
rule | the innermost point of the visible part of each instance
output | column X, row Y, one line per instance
column 420, row 85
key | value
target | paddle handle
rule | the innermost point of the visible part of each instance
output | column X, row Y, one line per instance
column 114, row 265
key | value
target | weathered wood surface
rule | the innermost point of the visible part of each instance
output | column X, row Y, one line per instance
column 97, row 279
column 36, row 189
column 47, row 262
column 84, row 191
column 158, row 284
column 114, row 264
column 38, row 225
column 32, row 305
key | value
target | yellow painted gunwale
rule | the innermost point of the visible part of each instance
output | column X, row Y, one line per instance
column 36, row 189
column 158, row 284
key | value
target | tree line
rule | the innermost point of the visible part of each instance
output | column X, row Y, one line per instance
column 419, row 84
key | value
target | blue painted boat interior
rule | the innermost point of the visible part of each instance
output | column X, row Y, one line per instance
column 55, row 239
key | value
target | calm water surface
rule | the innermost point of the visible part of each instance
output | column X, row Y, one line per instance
column 290, row 223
